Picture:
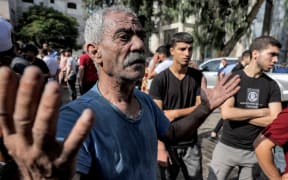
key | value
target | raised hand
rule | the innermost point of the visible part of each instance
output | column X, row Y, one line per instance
column 28, row 118
column 225, row 88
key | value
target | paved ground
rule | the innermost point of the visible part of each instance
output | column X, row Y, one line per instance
column 206, row 145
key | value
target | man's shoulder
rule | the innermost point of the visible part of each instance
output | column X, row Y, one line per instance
column 163, row 74
column 268, row 78
column 167, row 62
column 70, row 59
column 18, row 64
column 47, row 58
column 41, row 64
column 141, row 94
column 194, row 71
column 238, row 66
column 88, row 100
column 229, row 68
column 163, row 66
column 39, row 61
column 19, row 59
column 195, row 74
column 84, row 57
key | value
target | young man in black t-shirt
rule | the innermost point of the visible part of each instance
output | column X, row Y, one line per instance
column 254, row 107
column 243, row 62
column 30, row 53
column 176, row 91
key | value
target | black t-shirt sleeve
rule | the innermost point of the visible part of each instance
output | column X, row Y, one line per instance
column 19, row 64
column 237, row 67
column 42, row 66
column 275, row 95
column 156, row 89
column 198, row 78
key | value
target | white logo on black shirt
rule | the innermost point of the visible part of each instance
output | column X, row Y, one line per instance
column 252, row 100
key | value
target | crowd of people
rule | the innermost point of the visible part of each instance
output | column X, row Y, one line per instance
column 116, row 131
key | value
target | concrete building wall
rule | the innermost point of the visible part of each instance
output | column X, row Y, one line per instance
column 17, row 7
column 4, row 9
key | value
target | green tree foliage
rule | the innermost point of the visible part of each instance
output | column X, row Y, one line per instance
column 219, row 24
column 41, row 24
column 286, row 11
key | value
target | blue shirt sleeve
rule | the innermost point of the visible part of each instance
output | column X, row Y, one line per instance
column 67, row 119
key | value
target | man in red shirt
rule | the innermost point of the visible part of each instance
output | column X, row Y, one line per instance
column 274, row 134
column 87, row 73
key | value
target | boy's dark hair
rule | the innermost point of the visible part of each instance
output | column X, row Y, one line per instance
column 262, row 42
column 31, row 48
column 246, row 53
column 181, row 37
column 68, row 50
column 164, row 49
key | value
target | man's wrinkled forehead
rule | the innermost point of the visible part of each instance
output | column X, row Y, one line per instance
column 123, row 20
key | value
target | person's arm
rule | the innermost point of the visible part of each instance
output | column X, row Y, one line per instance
column 210, row 100
column 68, row 70
column 228, row 111
column 81, row 74
column 274, row 109
column 263, row 149
column 162, row 154
column 173, row 114
column 81, row 70
column 152, row 66
column 28, row 118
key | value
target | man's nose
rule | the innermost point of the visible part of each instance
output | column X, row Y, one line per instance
column 275, row 59
column 188, row 52
column 137, row 44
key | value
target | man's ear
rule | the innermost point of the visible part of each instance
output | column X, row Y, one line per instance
column 255, row 54
column 171, row 50
column 94, row 52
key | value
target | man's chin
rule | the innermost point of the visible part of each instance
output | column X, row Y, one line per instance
column 134, row 77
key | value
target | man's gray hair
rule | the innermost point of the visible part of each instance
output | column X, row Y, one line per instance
column 95, row 23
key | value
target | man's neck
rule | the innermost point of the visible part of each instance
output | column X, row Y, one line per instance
column 178, row 70
column 121, row 95
column 115, row 91
column 253, row 70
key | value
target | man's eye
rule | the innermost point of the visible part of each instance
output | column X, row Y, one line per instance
column 142, row 36
column 125, row 37
column 274, row 54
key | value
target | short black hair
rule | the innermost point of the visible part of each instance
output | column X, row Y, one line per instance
column 262, row 42
column 68, row 50
column 31, row 48
column 181, row 37
column 164, row 49
column 246, row 53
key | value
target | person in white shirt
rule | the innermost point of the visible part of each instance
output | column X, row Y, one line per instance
column 160, row 61
column 71, row 75
column 52, row 65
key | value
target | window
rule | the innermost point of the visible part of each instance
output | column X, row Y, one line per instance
column 28, row 1
column 52, row 1
column 71, row 5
